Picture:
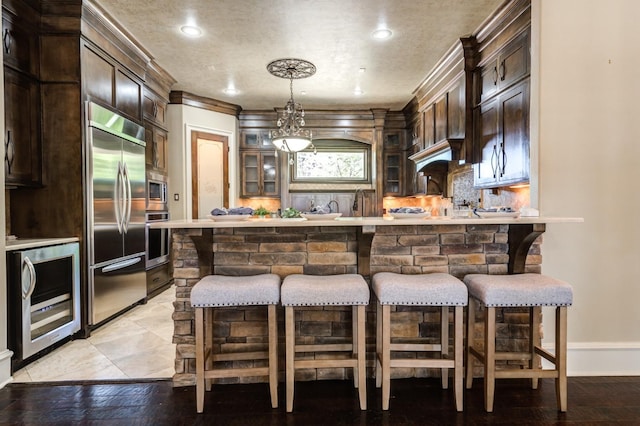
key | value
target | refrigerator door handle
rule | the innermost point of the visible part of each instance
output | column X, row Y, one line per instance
column 117, row 196
column 32, row 278
column 120, row 265
column 127, row 197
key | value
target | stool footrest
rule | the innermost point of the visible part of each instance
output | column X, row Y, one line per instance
column 513, row 356
column 525, row 374
column 415, row 347
column 240, row 356
column 545, row 354
column 423, row 363
column 236, row 372
column 333, row 347
column 326, row 363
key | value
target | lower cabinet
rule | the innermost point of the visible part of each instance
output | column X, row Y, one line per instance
column 502, row 139
column 23, row 154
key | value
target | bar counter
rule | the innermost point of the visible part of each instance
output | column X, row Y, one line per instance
column 459, row 246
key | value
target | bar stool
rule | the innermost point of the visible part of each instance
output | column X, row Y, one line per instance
column 215, row 291
column 523, row 290
column 436, row 289
column 326, row 290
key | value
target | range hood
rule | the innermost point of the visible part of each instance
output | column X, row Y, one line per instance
column 445, row 150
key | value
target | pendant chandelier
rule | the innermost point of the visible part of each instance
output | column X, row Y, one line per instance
column 290, row 136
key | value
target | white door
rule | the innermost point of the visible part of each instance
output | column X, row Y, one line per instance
column 210, row 180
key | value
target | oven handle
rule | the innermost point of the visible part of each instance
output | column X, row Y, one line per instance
column 120, row 265
column 32, row 278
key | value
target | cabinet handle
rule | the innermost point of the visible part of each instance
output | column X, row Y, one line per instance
column 495, row 76
column 155, row 109
column 154, row 149
column 504, row 159
column 6, row 40
column 32, row 278
column 8, row 151
column 495, row 162
column 502, row 69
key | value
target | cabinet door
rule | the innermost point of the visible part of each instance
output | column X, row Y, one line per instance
column 128, row 94
column 514, row 148
column 513, row 63
column 441, row 119
column 19, row 44
column 255, row 139
column 154, row 108
column 250, row 174
column 486, row 144
column 23, row 156
column 393, row 171
column 260, row 175
column 428, row 118
column 156, row 149
column 270, row 179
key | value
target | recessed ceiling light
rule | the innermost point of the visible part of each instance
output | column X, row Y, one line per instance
column 231, row 91
column 362, row 69
column 191, row 31
column 358, row 92
column 381, row 34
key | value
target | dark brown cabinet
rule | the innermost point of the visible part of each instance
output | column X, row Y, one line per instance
column 255, row 139
column 156, row 149
column 502, row 139
column 509, row 65
column 394, row 163
column 23, row 155
column 154, row 108
column 22, row 136
column 259, row 174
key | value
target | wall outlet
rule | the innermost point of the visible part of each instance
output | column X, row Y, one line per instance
column 176, row 197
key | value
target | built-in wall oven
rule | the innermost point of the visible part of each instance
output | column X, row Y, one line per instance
column 158, row 241
column 44, row 298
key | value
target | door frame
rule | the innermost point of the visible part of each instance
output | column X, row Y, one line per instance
column 195, row 135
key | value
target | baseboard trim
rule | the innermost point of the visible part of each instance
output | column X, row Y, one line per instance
column 5, row 367
column 601, row 358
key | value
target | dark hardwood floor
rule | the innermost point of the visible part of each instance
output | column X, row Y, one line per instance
column 592, row 401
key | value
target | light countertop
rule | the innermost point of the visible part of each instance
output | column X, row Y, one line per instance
column 28, row 243
column 358, row 221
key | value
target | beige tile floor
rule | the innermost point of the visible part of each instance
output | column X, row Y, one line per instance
column 136, row 345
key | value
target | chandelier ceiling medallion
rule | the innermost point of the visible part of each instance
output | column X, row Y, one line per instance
column 290, row 136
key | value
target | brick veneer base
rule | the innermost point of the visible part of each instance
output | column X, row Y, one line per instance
column 410, row 249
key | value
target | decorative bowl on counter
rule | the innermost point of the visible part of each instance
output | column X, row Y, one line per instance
column 410, row 215
column 320, row 216
column 229, row 217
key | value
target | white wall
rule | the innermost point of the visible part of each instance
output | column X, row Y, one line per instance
column 182, row 120
column 589, row 166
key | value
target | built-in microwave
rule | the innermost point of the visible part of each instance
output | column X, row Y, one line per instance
column 156, row 191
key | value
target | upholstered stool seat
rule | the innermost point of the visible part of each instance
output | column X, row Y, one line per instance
column 326, row 290
column 216, row 291
column 532, row 291
column 436, row 289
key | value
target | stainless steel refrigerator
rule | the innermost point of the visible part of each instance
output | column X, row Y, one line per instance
column 115, row 205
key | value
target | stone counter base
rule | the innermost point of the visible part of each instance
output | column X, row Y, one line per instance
column 412, row 249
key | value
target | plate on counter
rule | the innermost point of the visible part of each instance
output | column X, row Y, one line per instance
column 229, row 217
column 489, row 215
column 410, row 215
column 321, row 216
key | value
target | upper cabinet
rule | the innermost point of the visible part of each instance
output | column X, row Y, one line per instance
column 259, row 165
column 154, row 113
column 154, row 107
column 22, row 136
column 510, row 64
column 394, row 155
column 501, row 117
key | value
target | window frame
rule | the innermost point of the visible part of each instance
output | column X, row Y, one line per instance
column 335, row 146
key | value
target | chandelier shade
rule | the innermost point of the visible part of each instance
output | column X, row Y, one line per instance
column 290, row 136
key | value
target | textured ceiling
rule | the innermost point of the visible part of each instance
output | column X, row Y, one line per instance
column 240, row 37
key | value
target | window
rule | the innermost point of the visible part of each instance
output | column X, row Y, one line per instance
column 336, row 161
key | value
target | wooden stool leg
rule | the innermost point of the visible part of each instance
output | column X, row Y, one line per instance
column 444, row 343
column 489, row 357
column 354, row 342
column 208, row 345
column 561, row 357
column 386, row 356
column 362, row 356
column 535, row 316
column 471, row 325
column 200, row 353
column 458, row 356
column 273, row 354
column 290, row 335
column 378, row 344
